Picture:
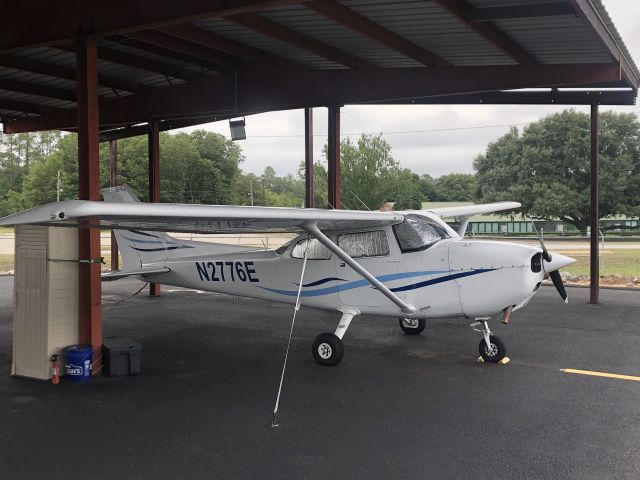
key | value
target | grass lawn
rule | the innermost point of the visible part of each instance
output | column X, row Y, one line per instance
column 6, row 262
column 624, row 263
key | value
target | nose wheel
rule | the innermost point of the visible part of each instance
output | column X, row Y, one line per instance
column 491, row 347
column 494, row 352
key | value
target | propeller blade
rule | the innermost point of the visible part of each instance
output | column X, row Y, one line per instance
column 559, row 284
column 545, row 253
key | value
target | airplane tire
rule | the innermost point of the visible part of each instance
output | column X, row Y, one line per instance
column 497, row 352
column 412, row 329
column 327, row 349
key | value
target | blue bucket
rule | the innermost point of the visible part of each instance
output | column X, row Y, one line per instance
column 78, row 362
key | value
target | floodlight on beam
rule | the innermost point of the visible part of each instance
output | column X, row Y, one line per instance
column 237, row 129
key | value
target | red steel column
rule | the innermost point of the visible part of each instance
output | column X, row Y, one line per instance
column 308, row 157
column 154, row 178
column 595, row 211
column 333, row 159
column 89, row 189
column 113, row 181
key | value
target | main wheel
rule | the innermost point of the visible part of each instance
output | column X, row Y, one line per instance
column 495, row 352
column 412, row 326
column 327, row 349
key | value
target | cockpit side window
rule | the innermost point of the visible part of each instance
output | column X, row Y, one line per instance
column 418, row 233
column 315, row 250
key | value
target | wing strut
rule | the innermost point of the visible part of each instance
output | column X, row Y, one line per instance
column 326, row 241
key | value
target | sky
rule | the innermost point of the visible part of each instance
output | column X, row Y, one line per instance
column 449, row 143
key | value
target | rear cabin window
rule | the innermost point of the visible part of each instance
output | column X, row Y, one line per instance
column 364, row 244
column 315, row 250
column 418, row 233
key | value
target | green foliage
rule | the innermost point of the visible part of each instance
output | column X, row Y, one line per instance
column 547, row 168
column 17, row 154
column 427, row 185
column 368, row 172
column 455, row 187
column 407, row 194
column 200, row 167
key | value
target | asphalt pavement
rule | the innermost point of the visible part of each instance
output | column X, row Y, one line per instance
column 397, row 407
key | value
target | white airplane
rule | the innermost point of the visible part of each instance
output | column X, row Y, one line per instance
column 410, row 265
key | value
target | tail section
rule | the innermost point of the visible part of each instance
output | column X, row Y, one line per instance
column 140, row 248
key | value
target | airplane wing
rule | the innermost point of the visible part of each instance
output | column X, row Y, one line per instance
column 168, row 217
column 471, row 210
column 464, row 213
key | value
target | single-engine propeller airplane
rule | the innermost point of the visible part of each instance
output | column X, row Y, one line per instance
column 410, row 265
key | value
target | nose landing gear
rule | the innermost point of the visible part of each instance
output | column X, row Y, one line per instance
column 491, row 347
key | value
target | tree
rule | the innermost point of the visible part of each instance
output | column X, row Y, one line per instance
column 427, row 186
column 547, row 168
column 407, row 193
column 39, row 186
column 320, row 178
column 456, row 187
column 221, row 159
column 368, row 172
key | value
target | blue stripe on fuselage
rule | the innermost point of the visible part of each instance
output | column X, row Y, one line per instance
column 382, row 278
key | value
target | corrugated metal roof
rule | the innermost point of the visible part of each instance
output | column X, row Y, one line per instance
column 258, row 40
column 557, row 39
column 305, row 21
column 433, row 29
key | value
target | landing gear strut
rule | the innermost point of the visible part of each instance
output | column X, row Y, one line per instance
column 491, row 347
column 327, row 348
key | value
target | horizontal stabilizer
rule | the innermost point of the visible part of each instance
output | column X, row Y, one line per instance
column 117, row 274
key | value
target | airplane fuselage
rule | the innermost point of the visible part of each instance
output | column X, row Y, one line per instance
column 454, row 277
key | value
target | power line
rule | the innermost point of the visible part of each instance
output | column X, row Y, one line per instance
column 399, row 132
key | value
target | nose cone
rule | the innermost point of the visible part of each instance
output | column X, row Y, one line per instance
column 557, row 262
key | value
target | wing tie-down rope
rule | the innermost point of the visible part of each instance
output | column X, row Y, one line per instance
column 274, row 422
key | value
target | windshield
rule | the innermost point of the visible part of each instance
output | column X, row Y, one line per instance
column 417, row 233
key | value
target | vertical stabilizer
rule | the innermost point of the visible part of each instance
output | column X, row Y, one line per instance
column 139, row 248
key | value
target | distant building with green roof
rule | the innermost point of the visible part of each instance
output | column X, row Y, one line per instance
column 493, row 223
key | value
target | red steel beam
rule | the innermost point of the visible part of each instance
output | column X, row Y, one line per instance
column 308, row 157
column 268, row 91
column 333, row 157
column 59, row 71
column 26, row 107
column 113, row 181
column 42, row 22
column 154, row 178
column 594, row 282
column 361, row 24
column 37, row 89
column 297, row 39
column 89, row 189
column 227, row 45
column 464, row 13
